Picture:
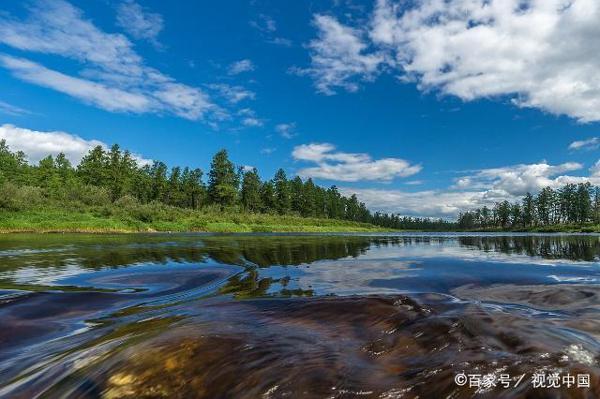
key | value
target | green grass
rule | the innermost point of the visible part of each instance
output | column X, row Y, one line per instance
column 165, row 219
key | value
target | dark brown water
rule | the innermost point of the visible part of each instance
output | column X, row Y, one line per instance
column 292, row 316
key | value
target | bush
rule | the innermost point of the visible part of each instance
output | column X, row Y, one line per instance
column 126, row 202
column 15, row 198
column 88, row 195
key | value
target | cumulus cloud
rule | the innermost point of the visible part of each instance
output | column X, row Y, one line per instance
column 588, row 144
column 37, row 145
column 339, row 56
column 519, row 179
column 114, row 77
column 349, row 167
column 479, row 188
column 540, row 53
column 139, row 22
column 429, row 203
column 241, row 66
column 286, row 130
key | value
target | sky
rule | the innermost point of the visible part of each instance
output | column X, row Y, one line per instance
column 421, row 107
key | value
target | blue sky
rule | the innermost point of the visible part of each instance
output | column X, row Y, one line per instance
column 420, row 109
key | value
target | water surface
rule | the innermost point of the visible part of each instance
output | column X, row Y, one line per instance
column 273, row 316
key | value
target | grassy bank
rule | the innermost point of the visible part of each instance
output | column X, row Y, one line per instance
column 556, row 228
column 165, row 219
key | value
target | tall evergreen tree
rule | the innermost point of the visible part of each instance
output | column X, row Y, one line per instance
column 296, row 194
column 250, row 192
column 267, row 195
column 158, row 175
column 222, row 180
column 193, row 188
column 93, row 167
column 528, row 210
column 282, row 192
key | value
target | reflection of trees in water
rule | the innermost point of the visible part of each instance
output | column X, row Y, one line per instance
column 251, row 285
column 293, row 250
column 124, row 251
column 550, row 247
column 97, row 252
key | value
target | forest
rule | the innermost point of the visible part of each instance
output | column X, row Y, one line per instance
column 569, row 205
column 112, row 182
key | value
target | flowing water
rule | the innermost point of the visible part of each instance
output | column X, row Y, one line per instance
column 291, row 316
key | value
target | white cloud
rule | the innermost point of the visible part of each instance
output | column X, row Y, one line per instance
column 280, row 41
column 338, row 56
column 286, row 130
column 233, row 94
column 264, row 23
column 13, row 110
column 115, row 77
column 349, row 167
column 98, row 94
column 37, row 145
column 430, row 203
column 595, row 170
column 588, row 144
column 541, row 53
column 138, row 22
column 517, row 180
column 267, row 26
column 482, row 187
column 241, row 66
column 252, row 122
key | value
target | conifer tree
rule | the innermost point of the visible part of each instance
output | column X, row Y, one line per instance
column 222, row 180
column 267, row 195
column 282, row 192
column 93, row 167
column 250, row 192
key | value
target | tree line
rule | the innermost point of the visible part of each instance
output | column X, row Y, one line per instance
column 570, row 204
column 115, row 174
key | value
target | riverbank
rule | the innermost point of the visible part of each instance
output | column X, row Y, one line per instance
column 557, row 228
column 101, row 221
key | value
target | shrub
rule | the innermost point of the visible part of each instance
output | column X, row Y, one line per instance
column 17, row 198
column 88, row 194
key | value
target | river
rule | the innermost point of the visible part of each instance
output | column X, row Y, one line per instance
column 291, row 316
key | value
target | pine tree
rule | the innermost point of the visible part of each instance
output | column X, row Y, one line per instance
column 193, row 188
column 158, row 176
column 13, row 166
column 250, row 192
column 596, row 205
column 282, row 192
column 267, row 195
column 584, row 203
column 93, row 167
column 528, row 210
column 296, row 194
column 64, row 168
column 313, row 200
column 222, row 180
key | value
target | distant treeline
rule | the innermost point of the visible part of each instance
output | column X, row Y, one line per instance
column 114, row 176
column 571, row 204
